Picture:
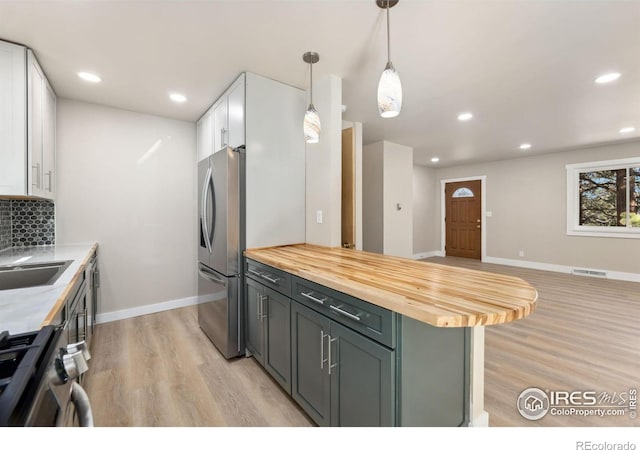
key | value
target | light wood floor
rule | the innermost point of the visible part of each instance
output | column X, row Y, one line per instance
column 160, row 369
column 584, row 335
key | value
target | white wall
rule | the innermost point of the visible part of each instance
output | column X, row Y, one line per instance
column 527, row 200
column 372, row 197
column 426, row 215
column 386, row 185
column 324, row 166
column 275, row 163
column 127, row 180
column 398, row 200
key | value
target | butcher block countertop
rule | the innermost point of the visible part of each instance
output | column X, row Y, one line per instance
column 439, row 295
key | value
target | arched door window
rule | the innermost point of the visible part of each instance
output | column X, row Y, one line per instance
column 463, row 192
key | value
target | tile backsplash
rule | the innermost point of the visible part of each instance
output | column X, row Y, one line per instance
column 26, row 223
column 5, row 224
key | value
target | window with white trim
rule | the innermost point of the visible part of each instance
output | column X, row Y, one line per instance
column 603, row 198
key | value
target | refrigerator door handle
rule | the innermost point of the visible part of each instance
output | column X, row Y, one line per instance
column 213, row 277
column 213, row 209
column 204, row 212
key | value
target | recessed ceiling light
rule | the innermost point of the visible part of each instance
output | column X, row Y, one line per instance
column 90, row 77
column 627, row 130
column 607, row 77
column 178, row 98
column 525, row 146
column 435, row 159
column 463, row 117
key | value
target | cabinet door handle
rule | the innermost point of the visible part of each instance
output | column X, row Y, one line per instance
column 330, row 365
column 258, row 305
column 223, row 132
column 271, row 279
column 50, row 175
column 255, row 272
column 310, row 296
column 344, row 313
column 37, row 177
column 261, row 299
column 264, row 300
column 84, row 324
column 322, row 358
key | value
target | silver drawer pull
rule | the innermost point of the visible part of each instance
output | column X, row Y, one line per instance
column 311, row 297
column 268, row 278
column 344, row 313
column 255, row 272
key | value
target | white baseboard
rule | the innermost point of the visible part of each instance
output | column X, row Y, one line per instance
column 480, row 421
column 427, row 254
column 146, row 309
column 612, row 275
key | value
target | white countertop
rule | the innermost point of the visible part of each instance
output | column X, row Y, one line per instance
column 23, row 310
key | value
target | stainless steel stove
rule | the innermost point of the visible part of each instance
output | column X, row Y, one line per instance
column 38, row 380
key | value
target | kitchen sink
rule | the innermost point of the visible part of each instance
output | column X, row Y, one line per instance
column 30, row 275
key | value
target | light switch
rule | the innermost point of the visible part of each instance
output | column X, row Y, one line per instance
column 319, row 216
column 489, row 214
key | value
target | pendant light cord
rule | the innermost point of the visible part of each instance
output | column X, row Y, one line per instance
column 311, row 88
column 388, row 35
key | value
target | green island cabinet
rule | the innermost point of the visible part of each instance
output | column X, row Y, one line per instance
column 348, row 362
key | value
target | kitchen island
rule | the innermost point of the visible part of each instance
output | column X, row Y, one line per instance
column 404, row 339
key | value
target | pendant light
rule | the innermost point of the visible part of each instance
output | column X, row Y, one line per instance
column 311, row 118
column 389, row 86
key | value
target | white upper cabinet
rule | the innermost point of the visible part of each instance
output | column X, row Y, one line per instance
column 41, row 125
column 235, row 113
column 13, row 119
column 27, row 125
column 220, row 127
column 228, row 117
column 203, row 129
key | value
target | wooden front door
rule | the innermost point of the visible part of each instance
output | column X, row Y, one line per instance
column 463, row 219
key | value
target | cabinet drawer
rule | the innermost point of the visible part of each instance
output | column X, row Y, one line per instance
column 371, row 320
column 269, row 276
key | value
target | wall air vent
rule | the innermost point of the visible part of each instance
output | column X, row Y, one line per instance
column 589, row 273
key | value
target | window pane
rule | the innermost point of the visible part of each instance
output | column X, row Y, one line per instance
column 603, row 198
column 463, row 192
column 634, row 189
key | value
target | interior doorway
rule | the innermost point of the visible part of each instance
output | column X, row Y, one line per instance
column 463, row 218
column 348, row 236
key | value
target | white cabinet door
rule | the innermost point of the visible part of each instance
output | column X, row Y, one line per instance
column 35, row 129
column 221, row 129
column 235, row 113
column 204, row 128
column 49, row 142
column 13, row 119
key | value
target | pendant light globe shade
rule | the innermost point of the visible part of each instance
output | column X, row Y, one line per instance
column 389, row 92
column 312, row 125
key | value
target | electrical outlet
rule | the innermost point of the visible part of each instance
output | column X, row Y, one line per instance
column 489, row 213
column 319, row 216
column 520, row 253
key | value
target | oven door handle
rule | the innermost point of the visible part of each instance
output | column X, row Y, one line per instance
column 80, row 400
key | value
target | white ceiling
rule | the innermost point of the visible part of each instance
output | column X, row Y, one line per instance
column 524, row 68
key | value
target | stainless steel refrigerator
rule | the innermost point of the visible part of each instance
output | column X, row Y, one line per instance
column 221, row 242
